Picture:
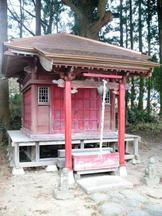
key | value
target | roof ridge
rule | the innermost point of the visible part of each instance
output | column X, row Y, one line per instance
column 75, row 36
column 29, row 38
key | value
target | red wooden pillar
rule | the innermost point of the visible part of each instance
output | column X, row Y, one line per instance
column 68, row 123
column 121, row 124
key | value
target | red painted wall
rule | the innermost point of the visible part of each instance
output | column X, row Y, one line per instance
column 43, row 120
column 27, row 109
column 49, row 118
column 86, row 105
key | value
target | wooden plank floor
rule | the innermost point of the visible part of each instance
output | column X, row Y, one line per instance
column 17, row 136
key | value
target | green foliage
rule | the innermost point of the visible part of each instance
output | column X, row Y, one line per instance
column 157, row 78
column 135, row 116
column 151, row 128
column 3, row 135
column 15, row 109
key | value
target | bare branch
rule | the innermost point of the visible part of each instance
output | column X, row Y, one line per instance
column 28, row 12
column 32, row 15
column 34, row 3
column 15, row 16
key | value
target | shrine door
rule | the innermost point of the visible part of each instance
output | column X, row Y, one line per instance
column 86, row 105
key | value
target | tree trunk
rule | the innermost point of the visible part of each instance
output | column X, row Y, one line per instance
column 38, row 17
column 159, row 4
column 21, row 19
column 126, row 29
column 4, row 105
column 131, row 43
column 149, row 53
column 131, row 23
column 86, row 23
column 121, row 23
column 141, row 83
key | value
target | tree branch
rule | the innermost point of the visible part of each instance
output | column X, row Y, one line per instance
column 101, row 8
column 73, row 7
column 102, row 22
column 108, row 17
column 28, row 12
column 32, row 15
column 34, row 3
column 15, row 17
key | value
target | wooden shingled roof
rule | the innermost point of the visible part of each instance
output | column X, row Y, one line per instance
column 71, row 50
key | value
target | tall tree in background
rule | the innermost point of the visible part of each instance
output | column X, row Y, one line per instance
column 90, row 16
column 4, row 106
column 141, row 84
column 121, row 23
column 51, row 15
column 149, row 17
column 21, row 3
column 21, row 18
column 131, row 43
column 38, row 17
column 159, row 9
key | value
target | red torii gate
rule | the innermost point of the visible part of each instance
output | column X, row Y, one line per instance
column 121, row 120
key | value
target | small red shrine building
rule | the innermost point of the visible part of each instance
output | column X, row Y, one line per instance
column 60, row 75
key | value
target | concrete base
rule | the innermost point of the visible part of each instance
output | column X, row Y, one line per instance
column 51, row 168
column 71, row 180
column 66, row 182
column 18, row 171
column 66, row 178
column 122, row 171
column 104, row 183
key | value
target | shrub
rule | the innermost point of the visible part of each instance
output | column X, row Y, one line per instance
column 15, row 111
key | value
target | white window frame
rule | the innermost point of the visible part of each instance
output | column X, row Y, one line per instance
column 107, row 98
column 48, row 94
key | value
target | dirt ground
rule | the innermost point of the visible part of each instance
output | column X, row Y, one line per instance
column 32, row 193
column 150, row 146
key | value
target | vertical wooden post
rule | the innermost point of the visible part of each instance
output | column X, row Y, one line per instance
column 33, row 108
column 33, row 100
column 68, row 123
column 121, row 124
column 112, row 110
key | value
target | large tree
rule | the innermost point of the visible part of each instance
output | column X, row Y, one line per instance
column 121, row 23
column 90, row 16
column 159, row 6
column 141, row 83
column 4, row 107
column 131, row 43
column 38, row 17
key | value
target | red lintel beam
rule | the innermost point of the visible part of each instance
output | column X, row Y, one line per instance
column 108, row 76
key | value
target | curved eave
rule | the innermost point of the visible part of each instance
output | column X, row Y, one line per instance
column 96, row 60
column 19, row 48
column 48, row 60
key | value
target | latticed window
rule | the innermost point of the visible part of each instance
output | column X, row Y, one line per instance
column 43, row 95
column 107, row 98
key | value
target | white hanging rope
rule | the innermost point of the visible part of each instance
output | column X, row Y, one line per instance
column 102, row 113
